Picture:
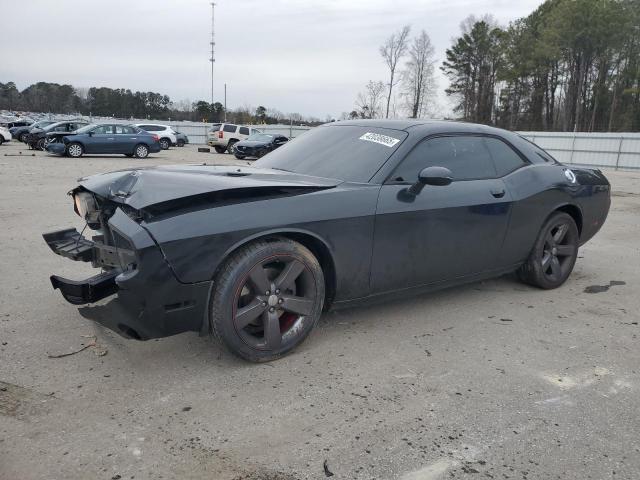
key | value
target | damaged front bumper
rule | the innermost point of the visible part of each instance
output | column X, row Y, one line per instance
column 147, row 301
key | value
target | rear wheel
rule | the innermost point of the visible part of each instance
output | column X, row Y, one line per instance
column 40, row 144
column 141, row 151
column 75, row 150
column 267, row 298
column 22, row 137
column 220, row 149
column 165, row 143
column 181, row 143
column 554, row 254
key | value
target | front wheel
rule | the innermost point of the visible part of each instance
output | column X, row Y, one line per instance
column 22, row 138
column 75, row 150
column 231, row 147
column 40, row 144
column 181, row 143
column 165, row 143
column 267, row 298
column 554, row 254
column 141, row 151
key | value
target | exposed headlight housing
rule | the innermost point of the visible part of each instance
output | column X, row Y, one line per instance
column 84, row 204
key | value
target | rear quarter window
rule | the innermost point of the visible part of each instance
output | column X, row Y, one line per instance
column 504, row 157
column 244, row 131
column 230, row 128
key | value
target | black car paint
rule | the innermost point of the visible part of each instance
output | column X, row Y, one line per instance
column 258, row 148
column 372, row 239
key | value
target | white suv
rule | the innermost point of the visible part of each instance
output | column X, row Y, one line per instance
column 5, row 135
column 165, row 133
column 223, row 136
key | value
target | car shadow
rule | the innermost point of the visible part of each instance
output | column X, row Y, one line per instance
column 204, row 351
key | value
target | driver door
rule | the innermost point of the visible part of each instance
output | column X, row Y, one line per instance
column 444, row 232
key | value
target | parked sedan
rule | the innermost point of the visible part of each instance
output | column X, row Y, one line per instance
column 258, row 145
column 350, row 212
column 181, row 139
column 99, row 139
column 38, row 136
column 22, row 133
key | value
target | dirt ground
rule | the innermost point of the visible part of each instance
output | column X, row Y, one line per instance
column 490, row 380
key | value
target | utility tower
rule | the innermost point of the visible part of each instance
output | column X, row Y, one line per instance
column 213, row 45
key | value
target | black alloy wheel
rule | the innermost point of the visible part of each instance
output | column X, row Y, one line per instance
column 267, row 299
column 554, row 254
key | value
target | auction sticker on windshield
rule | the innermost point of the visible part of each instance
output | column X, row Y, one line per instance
column 378, row 138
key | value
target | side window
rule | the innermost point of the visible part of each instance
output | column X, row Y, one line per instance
column 103, row 130
column 504, row 158
column 230, row 128
column 466, row 157
column 244, row 131
column 123, row 130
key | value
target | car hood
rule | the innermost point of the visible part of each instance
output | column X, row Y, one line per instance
column 159, row 189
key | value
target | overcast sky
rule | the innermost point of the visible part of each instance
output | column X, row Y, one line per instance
column 310, row 57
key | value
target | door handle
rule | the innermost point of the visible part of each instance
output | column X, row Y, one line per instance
column 498, row 192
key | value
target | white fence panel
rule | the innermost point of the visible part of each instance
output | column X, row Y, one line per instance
column 615, row 150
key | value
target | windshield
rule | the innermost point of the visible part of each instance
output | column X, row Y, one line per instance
column 86, row 128
column 346, row 152
column 260, row 137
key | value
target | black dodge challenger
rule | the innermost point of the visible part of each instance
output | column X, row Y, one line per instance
column 348, row 212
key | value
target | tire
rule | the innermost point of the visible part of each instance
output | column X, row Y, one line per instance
column 239, row 157
column 74, row 150
column 246, row 294
column 141, row 151
column 1, row 139
column 220, row 149
column 554, row 254
column 230, row 147
column 180, row 143
column 22, row 138
column 165, row 143
column 40, row 144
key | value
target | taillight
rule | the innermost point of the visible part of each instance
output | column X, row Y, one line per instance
column 156, row 137
column 220, row 134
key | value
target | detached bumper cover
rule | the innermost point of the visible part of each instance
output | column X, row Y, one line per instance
column 149, row 301
column 57, row 148
column 87, row 291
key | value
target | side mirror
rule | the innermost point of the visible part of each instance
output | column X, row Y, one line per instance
column 436, row 176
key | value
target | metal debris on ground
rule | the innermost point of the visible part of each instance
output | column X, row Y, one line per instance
column 99, row 350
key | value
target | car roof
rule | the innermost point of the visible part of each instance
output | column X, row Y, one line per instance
column 422, row 126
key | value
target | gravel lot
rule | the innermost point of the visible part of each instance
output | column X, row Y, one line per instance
column 491, row 380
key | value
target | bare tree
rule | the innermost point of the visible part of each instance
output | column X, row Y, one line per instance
column 392, row 50
column 368, row 102
column 418, row 77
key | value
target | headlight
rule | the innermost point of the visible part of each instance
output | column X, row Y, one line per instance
column 84, row 204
